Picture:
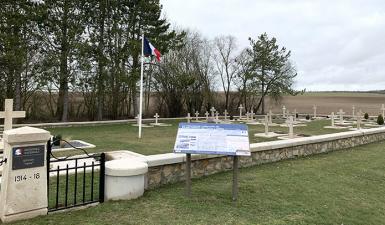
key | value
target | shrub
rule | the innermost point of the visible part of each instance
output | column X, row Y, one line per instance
column 307, row 117
column 296, row 115
column 366, row 116
column 380, row 120
column 56, row 140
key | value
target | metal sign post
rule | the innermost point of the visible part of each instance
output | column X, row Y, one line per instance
column 205, row 138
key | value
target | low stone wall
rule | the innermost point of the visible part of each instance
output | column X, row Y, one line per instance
column 170, row 168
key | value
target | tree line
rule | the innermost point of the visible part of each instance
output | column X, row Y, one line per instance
column 70, row 60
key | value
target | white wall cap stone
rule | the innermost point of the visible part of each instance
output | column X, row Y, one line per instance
column 373, row 130
column 124, row 154
column 265, row 146
column 164, row 159
column 125, row 168
column 26, row 134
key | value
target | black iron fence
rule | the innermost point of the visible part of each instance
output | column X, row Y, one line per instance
column 74, row 181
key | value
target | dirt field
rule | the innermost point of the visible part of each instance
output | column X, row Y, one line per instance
column 332, row 102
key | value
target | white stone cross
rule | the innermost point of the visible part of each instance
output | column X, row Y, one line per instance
column 383, row 110
column 247, row 116
column 332, row 118
column 270, row 117
column 225, row 114
column 359, row 120
column 212, row 110
column 196, row 115
column 9, row 114
column 252, row 114
column 341, row 114
column 188, row 118
column 290, row 124
column 266, row 122
column 284, row 111
column 207, row 116
column 240, row 111
column 216, row 117
column 353, row 110
column 314, row 111
column 156, row 118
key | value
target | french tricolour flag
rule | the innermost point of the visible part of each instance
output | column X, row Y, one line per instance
column 149, row 49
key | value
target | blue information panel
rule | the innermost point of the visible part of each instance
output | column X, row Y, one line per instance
column 207, row 138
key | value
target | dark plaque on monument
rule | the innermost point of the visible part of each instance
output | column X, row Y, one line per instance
column 28, row 157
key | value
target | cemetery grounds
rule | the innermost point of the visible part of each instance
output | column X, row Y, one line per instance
column 342, row 187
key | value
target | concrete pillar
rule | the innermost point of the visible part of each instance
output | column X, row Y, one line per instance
column 24, row 181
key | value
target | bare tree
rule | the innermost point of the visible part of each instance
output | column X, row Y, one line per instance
column 226, row 66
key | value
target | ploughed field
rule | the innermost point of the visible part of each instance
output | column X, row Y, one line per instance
column 157, row 140
column 328, row 102
column 343, row 187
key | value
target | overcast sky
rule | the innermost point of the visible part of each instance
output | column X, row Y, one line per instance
column 335, row 44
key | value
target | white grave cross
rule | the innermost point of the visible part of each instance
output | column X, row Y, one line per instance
column 156, row 118
column 266, row 122
column 188, row 118
column 240, row 111
column 290, row 124
column 283, row 111
column 315, row 111
column 332, row 118
column 341, row 114
column 252, row 114
column 212, row 112
column 207, row 116
column 196, row 115
column 383, row 110
column 8, row 115
column 353, row 110
column 216, row 117
column 359, row 120
column 225, row 114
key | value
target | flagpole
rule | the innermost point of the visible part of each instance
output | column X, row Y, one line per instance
column 141, row 90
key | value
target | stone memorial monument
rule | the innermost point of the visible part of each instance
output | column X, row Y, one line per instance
column 24, row 181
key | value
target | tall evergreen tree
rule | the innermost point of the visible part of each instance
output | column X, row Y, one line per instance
column 272, row 72
column 61, row 32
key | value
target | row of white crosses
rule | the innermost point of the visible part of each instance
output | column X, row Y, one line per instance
column 8, row 115
column 214, row 115
column 249, row 116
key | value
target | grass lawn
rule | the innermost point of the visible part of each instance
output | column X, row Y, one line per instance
column 157, row 140
column 344, row 187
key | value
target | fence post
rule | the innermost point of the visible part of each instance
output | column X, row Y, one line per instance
column 48, row 159
column 102, row 175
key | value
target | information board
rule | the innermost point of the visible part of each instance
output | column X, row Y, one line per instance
column 206, row 138
column 27, row 157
